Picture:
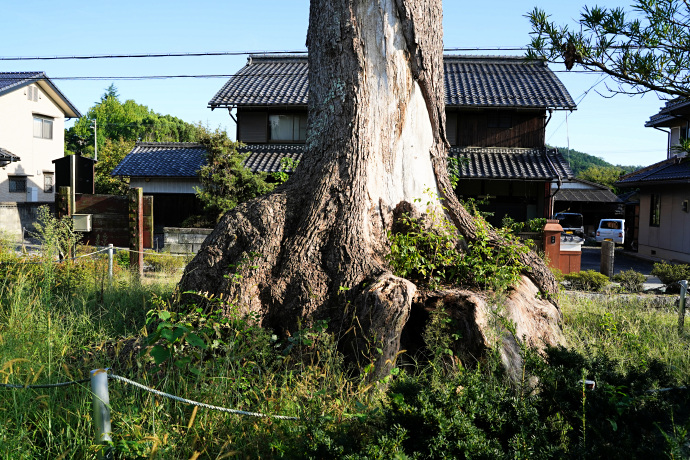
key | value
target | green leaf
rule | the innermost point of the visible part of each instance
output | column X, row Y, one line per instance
column 196, row 341
column 160, row 354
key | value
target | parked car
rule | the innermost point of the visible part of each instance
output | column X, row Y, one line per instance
column 571, row 223
column 611, row 230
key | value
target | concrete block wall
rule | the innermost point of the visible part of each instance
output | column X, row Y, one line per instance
column 184, row 240
column 15, row 216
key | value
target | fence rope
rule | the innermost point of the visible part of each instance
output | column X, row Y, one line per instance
column 199, row 404
column 45, row 385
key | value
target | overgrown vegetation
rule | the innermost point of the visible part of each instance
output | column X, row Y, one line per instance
column 587, row 280
column 58, row 321
column 427, row 250
column 630, row 280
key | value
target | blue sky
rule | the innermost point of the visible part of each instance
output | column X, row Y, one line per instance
column 610, row 128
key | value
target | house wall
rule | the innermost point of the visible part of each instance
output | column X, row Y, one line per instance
column 16, row 135
column 497, row 128
column 172, row 185
column 17, row 219
column 671, row 239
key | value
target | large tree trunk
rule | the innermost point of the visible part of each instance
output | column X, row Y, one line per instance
column 376, row 138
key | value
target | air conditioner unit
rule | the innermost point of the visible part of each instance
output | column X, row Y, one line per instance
column 81, row 222
column 31, row 194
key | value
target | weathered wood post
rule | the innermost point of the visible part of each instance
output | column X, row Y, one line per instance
column 607, row 258
column 136, row 229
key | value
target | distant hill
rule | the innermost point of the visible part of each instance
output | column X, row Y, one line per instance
column 580, row 161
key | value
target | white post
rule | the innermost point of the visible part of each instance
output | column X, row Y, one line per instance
column 101, row 409
column 95, row 140
column 110, row 263
column 681, row 306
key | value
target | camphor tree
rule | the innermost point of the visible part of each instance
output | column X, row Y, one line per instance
column 646, row 50
column 316, row 247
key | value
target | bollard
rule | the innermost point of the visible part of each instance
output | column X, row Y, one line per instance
column 110, row 264
column 101, row 410
column 681, row 306
column 607, row 258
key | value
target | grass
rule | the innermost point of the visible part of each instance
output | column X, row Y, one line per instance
column 58, row 322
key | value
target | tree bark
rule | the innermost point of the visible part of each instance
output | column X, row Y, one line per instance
column 376, row 138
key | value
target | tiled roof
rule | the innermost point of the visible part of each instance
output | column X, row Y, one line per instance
column 266, row 80
column 673, row 170
column 10, row 81
column 154, row 159
column 587, row 196
column 7, row 156
column 668, row 111
column 470, row 81
column 179, row 159
column 266, row 157
column 511, row 163
column 486, row 81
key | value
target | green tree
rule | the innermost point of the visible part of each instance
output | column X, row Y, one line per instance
column 604, row 175
column 646, row 49
column 225, row 181
column 112, row 153
column 119, row 125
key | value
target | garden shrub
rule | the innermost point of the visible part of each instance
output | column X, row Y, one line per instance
column 587, row 280
column 630, row 280
column 670, row 274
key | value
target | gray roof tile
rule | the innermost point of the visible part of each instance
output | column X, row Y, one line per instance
column 673, row 170
column 155, row 159
column 668, row 112
column 511, row 163
column 587, row 196
column 7, row 156
column 470, row 81
column 266, row 157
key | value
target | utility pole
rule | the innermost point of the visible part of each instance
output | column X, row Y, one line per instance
column 95, row 140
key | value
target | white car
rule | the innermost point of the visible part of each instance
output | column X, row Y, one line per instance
column 611, row 230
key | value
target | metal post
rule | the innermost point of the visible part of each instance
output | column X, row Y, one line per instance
column 110, row 263
column 101, row 409
column 681, row 306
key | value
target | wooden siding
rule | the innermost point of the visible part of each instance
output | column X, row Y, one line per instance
column 499, row 129
column 110, row 219
column 252, row 126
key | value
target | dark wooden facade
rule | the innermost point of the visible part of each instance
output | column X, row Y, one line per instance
column 253, row 123
column 496, row 128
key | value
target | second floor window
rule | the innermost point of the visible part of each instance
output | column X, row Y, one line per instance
column 43, row 128
column 287, row 127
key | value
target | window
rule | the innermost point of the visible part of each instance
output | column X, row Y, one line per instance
column 17, row 184
column 655, row 210
column 48, row 182
column 287, row 127
column 43, row 128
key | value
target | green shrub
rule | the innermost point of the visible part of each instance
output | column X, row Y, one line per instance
column 670, row 274
column 427, row 252
column 588, row 280
column 630, row 280
column 536, row 225
column 165, row 262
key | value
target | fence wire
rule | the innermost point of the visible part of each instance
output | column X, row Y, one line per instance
column 196, row 403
